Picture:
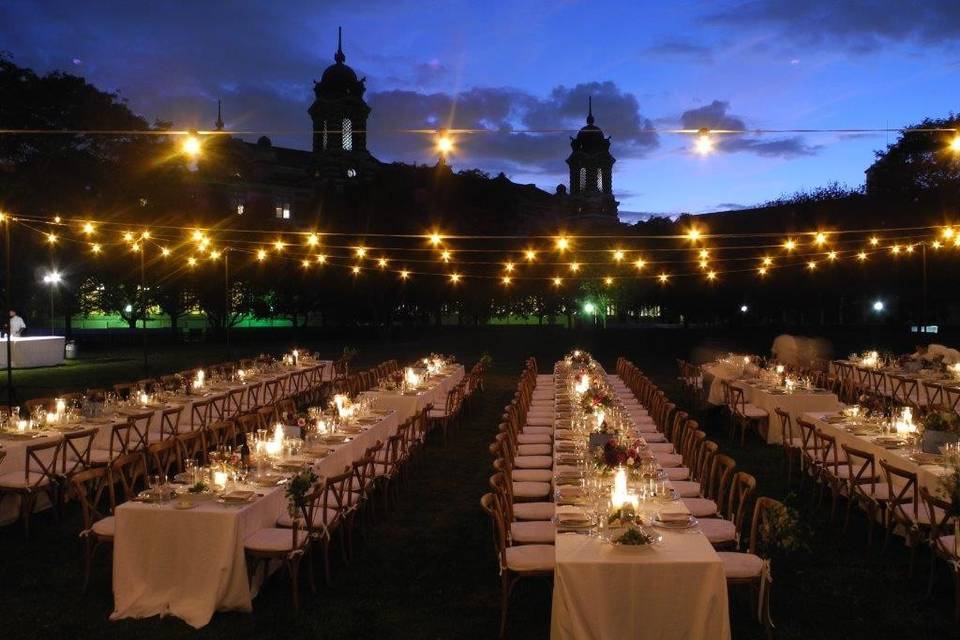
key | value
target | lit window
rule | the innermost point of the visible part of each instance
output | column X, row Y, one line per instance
column 283, row 211
column 240, row 209
column 583, row 178
column 351, row 173
column 599, row 180
column 347, row 135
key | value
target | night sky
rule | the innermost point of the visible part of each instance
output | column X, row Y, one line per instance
column 531, row 65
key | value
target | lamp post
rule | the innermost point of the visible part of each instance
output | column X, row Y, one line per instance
column 52, row 279
column 9, row 295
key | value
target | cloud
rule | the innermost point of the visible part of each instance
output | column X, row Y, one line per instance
column 527, row 133
column 715, row 116
column 680, row 50
column 858, row 26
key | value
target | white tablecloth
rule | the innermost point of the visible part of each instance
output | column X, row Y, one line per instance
column 192, row 563
column 42, row 351
column 408, row 404
column 795, row 404
column 676, row 589
column 715, row 373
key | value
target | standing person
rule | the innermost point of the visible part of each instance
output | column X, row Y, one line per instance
column 17, row 325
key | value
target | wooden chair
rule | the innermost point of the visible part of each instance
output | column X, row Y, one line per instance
column 140, row 429
column 834, row 467
column 221, row 434
column 725, row 533
column 792, row 445
column 288, row 546
column 39, row 476
column 810, row 459
column 943, row 545
column 77, row 448
column 164, row 457
column 748, row 415
column 905, row 508
column 124, row 389
column 516, row 562
column 446, row 417
column 130, row 472
column 753, row 568
column 95, row 492
column 193, row 445
column 233, row 405
column 200, row 414
column 864, row 488
column 170, row 422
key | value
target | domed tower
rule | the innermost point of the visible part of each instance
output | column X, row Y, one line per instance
column 591, row 168
column 339, row 116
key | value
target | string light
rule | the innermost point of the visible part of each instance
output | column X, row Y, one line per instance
column 790, row 244
column 382, row 263
column 618, row 255
column 57, row 219
column 305, row 263
column 874, row 241
column 145, row 235
column 404, row 274
column 454, row 278
column 530, row 255
column 506, row 280
column 88, row 228
column 313, row 239
column 909, row 248
column 811, row 265
column 693, row 234
column 191, row 261
column 703, row 144
column 762, row 271
column 445, row 256
column 191, row 146
column 832, row 256
column 435, row 239
column 321, row 258
column 948, row 233
column 704, row 264
column 128, row 237
column 711, row 275
column 563, row 243
column 165, row 252
column 704, row 254
column 557, row 282
column 767, row 261
column 360, row 252
column 955, row 143
column 508, row 267
column 639, row 263
column 862, row 256
column 135, row 247
column 444, row 144
column 279, row 245
column 574, row 267
column 355, row 269
column 214, row 255
column 52, row 238
column 663, row 278
column 895, row 249
column 261, row 255
column 820, row 238
column 608, row 281
column 936, row 244
column 95, row 248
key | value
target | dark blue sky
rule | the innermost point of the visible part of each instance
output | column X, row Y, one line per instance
column 523, row 64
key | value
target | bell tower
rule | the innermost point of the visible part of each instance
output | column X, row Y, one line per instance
column 591, row 170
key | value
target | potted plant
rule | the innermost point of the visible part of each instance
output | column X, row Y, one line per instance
column 940, row 427
column 297, row 489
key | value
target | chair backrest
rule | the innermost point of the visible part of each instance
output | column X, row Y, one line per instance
column 863, row 468
column 721, row 477
column 741, row 488
column 222, row 433
column 786, row 424
column 808, row 441
column 124, row 389
column 934, row 393
column 828, row 451
column 164, row 456
column 140, row 429
column 193, row 445
column 94, row 490
column 170, row 422
column 130, row 472
column 491, row 506
column 42, row 459
column 200, row 413
column 76, row 450
column 904, row 493
column 941, row 528
column 766, row 513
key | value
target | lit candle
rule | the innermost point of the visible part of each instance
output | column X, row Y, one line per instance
column 51, row 418
column 22, row 425
column 61, row 407
column 220, row 479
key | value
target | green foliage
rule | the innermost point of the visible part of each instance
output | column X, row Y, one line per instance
column 297, row 489
column 939, row 420
column 783, row 531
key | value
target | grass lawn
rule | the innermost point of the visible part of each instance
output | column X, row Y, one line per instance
column 427, row 570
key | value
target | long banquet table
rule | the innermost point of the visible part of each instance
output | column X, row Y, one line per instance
column 795, row 403
column 191, row 563
column 887, row 387
column 39, row 351
column 676, row 589
column 15, row 446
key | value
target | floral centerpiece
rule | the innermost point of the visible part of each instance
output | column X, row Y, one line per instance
column 578, row 358
column 596, row 400
column 619, row 453
column 940, row 427
column 297, row 490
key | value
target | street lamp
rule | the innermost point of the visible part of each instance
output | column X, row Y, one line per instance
column 53, row 279
column 744, row 308
column 878, row 306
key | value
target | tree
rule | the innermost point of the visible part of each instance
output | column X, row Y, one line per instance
column 919, row 165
